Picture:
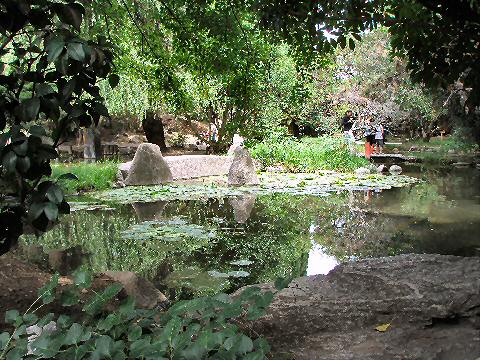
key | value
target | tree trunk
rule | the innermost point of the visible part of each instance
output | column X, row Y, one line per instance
column 153, row 129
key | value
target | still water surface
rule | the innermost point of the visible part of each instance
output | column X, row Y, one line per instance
column 193, row 247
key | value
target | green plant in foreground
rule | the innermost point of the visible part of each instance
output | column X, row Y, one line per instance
column 202, row 328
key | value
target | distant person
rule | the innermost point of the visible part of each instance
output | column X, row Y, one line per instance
column 369, row 133
column 347, row 125
column 379, row 138
column 213, row 132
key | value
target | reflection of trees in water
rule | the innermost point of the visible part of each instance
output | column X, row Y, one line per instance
column 348, row 226
column 271, row 238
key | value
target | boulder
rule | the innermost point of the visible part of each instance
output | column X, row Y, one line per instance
column 363, row 171
column 148, row 167
column 382, row 169
column 145, row 294
column 429, row 306
column 242, row 171
column 395, row 169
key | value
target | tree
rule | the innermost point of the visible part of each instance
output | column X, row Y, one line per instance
column 49, row 74
column 439, row 39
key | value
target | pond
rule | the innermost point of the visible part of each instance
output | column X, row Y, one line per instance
column 191, row 240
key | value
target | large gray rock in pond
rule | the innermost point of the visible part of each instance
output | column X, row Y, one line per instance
column 395, row 170
column 432, row 303
column 148, row 167
column 145, row 294
column 242, row 171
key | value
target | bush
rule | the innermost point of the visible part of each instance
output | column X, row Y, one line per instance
column 202, row 328
column 98, row 176
column 308, row 154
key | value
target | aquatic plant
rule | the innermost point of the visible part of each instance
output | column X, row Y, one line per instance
column 295, row 184
column 90, row 176
column 307, row 155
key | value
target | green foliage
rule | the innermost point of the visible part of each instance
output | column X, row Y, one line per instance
column 307, row 155
column 204, row 328
column 90, row 176
column 48, row 73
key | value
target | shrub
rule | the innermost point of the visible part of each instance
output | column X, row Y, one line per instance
column 202, row 328
column 308, row 154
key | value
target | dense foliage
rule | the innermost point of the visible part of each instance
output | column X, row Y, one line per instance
column 307, row 155
column 49, row 73
column 203, row 328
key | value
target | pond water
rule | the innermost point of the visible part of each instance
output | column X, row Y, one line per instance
column 191, row 245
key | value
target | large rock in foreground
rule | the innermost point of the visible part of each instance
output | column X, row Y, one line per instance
column 148, row 167
column 242, row 171
column 431, row 302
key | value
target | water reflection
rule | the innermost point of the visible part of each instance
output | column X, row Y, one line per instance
column 268, row 236
column 242, row 207
column 319, row 262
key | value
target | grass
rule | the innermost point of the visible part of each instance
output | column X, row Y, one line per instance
column 91, row 176
column 308, row 154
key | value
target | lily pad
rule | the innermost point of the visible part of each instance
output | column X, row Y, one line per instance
column 168, row 230
column 295, row 184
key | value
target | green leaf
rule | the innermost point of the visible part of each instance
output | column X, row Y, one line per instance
column 82, row 278
column 134, row 333
column 245, row 345
column 69, row 298
column 108, row 323
column 351, row 44
column 45, row 320
column 71, row 14
column 104, row 347
column 54, row 48
column 51, row 211
column 4, row 339
column 172, row 328
column 46, row 293
column 64, row 321
column 11, row 316
column 99, row 300
column 55, row 194
column 73, row 334
column 9, row 162
column 67, row 176
column 76, row 51
column 36, row 210
column 30, row 318
column 28, row 109
column 113, row 80
column 43, row 90
column 16, row 354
